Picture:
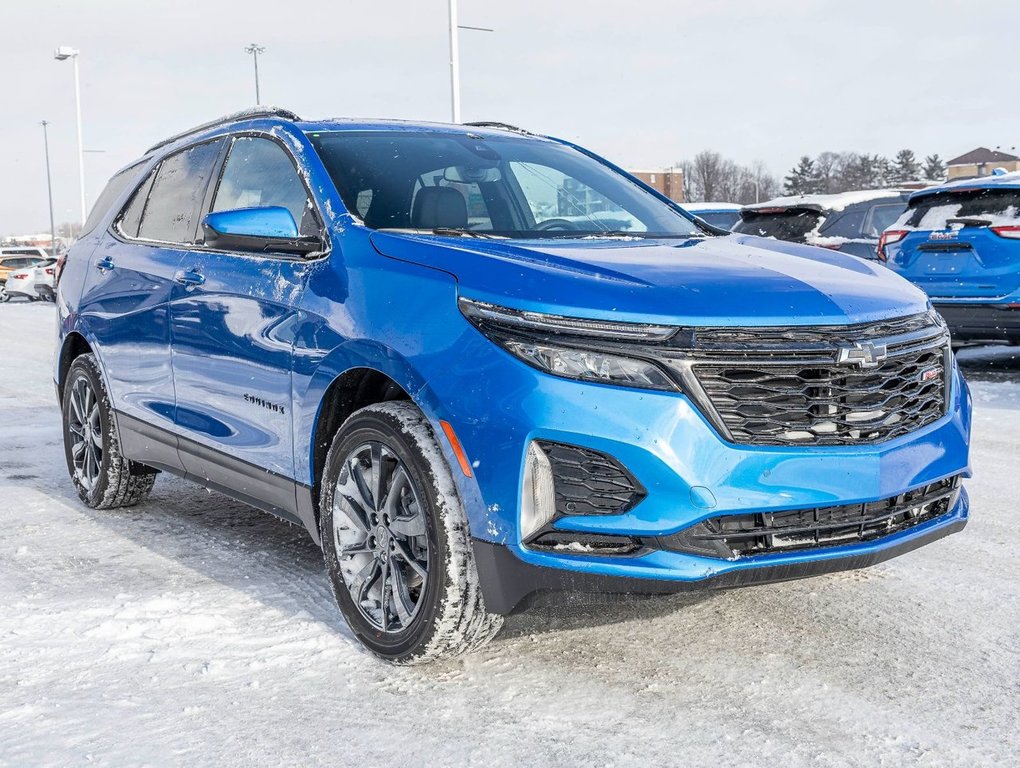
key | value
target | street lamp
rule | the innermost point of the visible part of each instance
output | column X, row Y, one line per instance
column 255, row 49
column 63, row 53
column 455, row 59
column 49, row 188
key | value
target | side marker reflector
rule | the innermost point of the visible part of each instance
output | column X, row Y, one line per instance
column 458, row 449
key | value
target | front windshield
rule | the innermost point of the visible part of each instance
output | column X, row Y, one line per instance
column 510, row 186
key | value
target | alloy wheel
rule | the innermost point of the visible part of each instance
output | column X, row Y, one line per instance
column 86, row 433
column 380, row 537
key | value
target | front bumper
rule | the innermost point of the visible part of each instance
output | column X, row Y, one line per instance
column 690, row 474
column 507, row 580
column 995, row 322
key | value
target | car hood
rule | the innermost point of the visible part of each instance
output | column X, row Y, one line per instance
column 726, row 280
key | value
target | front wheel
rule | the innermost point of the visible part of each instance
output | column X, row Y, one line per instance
column 395, row 540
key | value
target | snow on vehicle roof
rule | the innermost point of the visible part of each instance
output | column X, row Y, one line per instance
column 836, row 202
column 995, row 181
column 695, row 207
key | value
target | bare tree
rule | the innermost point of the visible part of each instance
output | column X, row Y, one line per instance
column 710, row 177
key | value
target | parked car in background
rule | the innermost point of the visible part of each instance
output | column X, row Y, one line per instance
column 960, row 242
column 722, row 215
column 849, row 222
column 14, row 258
column 423, row 343
column 33, row 283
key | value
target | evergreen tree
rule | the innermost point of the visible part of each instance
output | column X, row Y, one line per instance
column 906, row 166
column 934, row 168
column 802, row 180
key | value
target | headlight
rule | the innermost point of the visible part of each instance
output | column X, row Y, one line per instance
column 573, row 348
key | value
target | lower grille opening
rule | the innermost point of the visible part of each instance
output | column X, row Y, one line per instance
column 589, row 482
column 570, row 543
column 761, row 533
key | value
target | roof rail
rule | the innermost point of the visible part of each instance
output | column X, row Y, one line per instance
column 244, row 114
column 498, row 125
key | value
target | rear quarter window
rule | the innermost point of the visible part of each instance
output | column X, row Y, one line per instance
column 115, row 187
column 847, row 223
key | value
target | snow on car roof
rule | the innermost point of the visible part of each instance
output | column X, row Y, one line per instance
column 836, row 202
column 995, row 181
column 695, row 207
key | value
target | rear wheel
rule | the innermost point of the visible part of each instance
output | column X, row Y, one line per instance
column 102, row 476
column 395, row 540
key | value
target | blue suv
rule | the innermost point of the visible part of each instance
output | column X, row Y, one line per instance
column 960, row 242
column 478, row 364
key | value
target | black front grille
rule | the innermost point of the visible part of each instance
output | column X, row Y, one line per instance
column 762, row 533
column 796, row 386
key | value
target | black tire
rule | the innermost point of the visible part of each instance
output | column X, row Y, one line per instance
column 107, row 480
column 447, row 615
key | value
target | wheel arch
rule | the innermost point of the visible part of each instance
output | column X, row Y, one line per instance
column 73, row 346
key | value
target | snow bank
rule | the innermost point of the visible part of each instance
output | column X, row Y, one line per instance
column 193, row 630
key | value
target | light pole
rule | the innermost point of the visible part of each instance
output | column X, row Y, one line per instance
column 49, row 188
column 455, row 59
column 255, row 49
column 63, row 53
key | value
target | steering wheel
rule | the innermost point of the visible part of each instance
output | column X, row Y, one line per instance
column 556, row 224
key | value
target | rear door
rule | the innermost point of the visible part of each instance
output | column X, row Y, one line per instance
column 233, row 335
column 127, row 293
column 962, row 244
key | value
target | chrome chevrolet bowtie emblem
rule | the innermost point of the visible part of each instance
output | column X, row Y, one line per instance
column 864, row 355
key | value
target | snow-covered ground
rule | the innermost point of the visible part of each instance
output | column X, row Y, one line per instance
column 196, row 631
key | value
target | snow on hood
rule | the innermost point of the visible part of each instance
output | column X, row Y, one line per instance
column 731, row 280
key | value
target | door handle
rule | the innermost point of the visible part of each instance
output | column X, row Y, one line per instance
column 189, row 277
column 104, row 264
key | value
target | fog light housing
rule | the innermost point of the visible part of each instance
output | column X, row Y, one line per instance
column 538, row 492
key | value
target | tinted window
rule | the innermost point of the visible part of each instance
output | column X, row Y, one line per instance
column 786, row 224
column 934, row 211
column 22, row 251
column 171, row 211
column 846, row 223
column 508, row 185
column 259, row 173
column 882, row 217
column 111, row 193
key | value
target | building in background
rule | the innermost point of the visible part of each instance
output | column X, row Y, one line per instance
column 669, row 182
column 980, row 162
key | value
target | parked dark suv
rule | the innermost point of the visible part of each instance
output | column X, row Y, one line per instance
column 849, row 222
column 477, row 363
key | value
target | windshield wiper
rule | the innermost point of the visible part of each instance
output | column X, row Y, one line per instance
column 455, row 232
column 966, row 221
column 625, row 233
column 442, row 232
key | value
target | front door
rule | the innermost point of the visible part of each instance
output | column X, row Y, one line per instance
column 233, row 318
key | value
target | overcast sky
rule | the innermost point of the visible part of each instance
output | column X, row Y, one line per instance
column 645, row 82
